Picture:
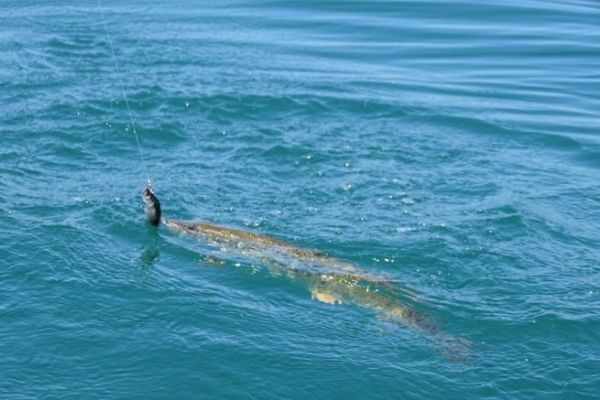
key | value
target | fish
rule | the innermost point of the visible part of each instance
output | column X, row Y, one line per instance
column 329, row 280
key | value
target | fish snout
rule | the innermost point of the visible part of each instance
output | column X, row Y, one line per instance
column 148, row 195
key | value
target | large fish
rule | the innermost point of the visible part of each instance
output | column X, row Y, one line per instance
column 329, row 279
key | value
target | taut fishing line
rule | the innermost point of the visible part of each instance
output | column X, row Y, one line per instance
column 123, row 92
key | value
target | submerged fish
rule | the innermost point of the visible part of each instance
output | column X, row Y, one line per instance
column 329, row 279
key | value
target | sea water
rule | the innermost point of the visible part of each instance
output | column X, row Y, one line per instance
column 451, row 146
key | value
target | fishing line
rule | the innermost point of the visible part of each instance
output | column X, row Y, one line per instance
column 123, row 92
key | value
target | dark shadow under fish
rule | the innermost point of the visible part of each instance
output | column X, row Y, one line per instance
column 329, row 279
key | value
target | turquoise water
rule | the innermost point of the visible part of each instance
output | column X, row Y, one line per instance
column 450, row 145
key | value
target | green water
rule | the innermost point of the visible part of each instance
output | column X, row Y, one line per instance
column 449, row 145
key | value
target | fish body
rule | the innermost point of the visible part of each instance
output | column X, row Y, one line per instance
column 272, row 250
column 330, row 280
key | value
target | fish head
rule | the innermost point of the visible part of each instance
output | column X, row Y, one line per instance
column 153, row 211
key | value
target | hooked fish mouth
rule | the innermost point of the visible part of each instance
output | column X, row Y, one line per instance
column 152, row 205
column 147, row 195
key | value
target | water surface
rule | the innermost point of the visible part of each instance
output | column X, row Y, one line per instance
column 450, row 145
